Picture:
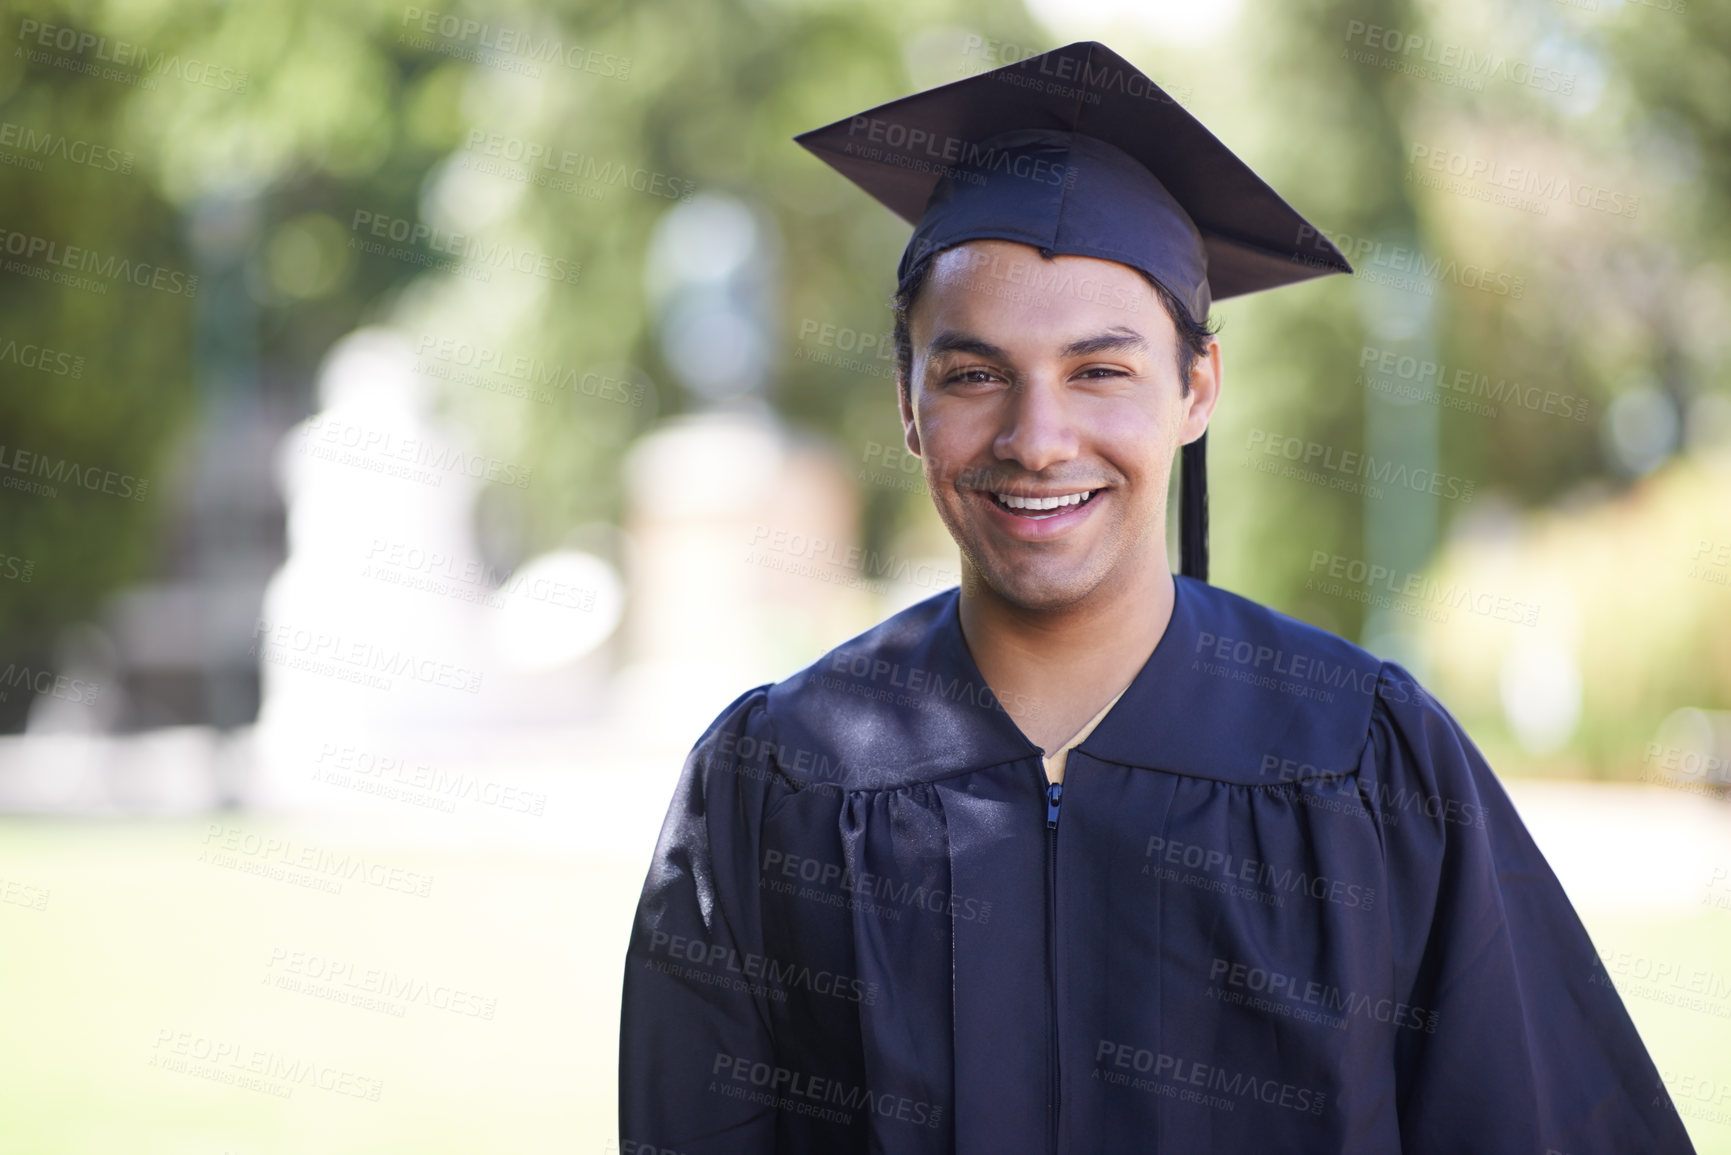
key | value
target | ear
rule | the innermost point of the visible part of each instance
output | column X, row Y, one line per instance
column 1205, row 384
column 910, row 429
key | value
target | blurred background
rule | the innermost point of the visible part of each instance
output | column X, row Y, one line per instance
column 417, row 423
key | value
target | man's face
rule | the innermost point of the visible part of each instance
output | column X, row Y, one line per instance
column 1022, row 392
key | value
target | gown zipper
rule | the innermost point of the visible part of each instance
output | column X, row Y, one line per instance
column 1054, row 794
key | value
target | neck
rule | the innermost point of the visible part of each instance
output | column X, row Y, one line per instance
column 1071, row 660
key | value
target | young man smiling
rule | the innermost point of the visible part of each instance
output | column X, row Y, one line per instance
column 1015, row 401
column 1081, row 856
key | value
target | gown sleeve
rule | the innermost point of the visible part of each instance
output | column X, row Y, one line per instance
column 690, row 1017
column 1528, row 1047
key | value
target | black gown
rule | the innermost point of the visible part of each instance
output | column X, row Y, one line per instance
column 1279, row 904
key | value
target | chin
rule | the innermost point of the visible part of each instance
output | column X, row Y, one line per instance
column 1028, row 588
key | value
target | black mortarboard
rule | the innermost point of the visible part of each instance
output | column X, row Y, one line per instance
column 1077, row 152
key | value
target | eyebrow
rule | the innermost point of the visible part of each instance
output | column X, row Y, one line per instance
column 1114, row 340
column 953, row 341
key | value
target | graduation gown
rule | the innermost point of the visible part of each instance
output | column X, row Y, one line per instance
column 1279, row 904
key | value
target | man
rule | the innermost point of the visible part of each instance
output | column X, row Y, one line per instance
column 1082, row 857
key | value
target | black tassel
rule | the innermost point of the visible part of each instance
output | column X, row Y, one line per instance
column 1193, row 509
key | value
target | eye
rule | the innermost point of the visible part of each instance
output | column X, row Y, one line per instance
column 970, row 376
column 1100, row 371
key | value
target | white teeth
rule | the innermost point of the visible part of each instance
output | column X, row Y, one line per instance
column 1043, row 502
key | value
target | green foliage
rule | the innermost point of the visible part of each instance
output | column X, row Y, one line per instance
column 268, row 138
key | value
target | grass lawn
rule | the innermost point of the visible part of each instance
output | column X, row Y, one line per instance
column 166, row 1001
column 152, row 986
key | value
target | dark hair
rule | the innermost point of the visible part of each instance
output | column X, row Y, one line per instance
column 1192, row 335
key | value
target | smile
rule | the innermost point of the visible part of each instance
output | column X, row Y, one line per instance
column 1041, row 508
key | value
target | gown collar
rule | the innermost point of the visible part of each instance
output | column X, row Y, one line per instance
column 1233, row 691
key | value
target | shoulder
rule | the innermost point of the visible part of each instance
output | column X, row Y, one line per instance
column 900, row 640
column 1232, row 627
column 1309, row 703
column 1428, row 770
column 1372, row 711
column 825, row 724
column 731, row 757
column 1243, row 693
column 897, row 703
column 1350, row 711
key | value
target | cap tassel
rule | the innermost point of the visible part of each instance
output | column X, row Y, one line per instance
column 1193, row 509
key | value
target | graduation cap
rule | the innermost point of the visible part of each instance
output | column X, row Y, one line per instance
column 1076, row 152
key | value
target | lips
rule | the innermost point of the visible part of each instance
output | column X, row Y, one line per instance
column 1034, row 525
column 1039, row 508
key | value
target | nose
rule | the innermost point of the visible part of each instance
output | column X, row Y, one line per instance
column 1037, row 425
